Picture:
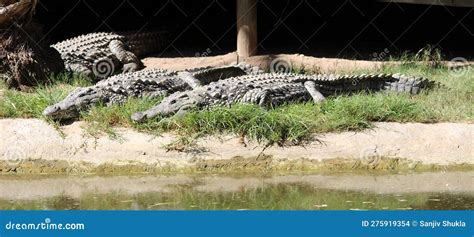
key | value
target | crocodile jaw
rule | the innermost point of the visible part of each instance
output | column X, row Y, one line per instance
column 60, row 112
column 70, row 106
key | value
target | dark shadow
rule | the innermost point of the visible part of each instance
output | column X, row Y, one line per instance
column 347, row 29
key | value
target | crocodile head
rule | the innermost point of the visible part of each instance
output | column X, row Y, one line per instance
column 70, row 107
column 178, row 103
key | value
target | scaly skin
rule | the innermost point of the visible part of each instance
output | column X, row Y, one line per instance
column 100, row 55
column 150, row 83
column 269, row 90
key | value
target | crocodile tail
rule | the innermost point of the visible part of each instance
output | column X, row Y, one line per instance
column 333, row 84
column 147, row 42
column 408, row 84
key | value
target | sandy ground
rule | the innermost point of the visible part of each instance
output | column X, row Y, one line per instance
column 264, row 61
column 288, row 61
column 75, row 187
column 442, row 143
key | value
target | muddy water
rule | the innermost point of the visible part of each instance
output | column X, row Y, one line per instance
column 417, row 191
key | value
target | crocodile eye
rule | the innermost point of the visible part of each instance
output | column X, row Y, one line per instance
column 173, row 102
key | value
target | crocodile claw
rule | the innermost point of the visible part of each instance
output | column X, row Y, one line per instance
column 130, row 67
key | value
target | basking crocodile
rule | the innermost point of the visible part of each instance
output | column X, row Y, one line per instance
column 99, row 55
column 269, row 90
column 150, row 83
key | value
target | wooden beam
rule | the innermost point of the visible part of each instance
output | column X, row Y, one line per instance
column 246, row 28
column 453, row 3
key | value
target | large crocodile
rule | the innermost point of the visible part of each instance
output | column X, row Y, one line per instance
column 99, row 55
column 269, row 90
column 150, row 83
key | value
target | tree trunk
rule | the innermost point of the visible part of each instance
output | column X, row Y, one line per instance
column 25, row 59
column 246, row 28
column 12, row 11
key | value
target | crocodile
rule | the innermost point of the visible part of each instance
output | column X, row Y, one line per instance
column 151, row 83
column 273, row 89
column 100, row 55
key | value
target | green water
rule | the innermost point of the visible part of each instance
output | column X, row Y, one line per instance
column 289, row 196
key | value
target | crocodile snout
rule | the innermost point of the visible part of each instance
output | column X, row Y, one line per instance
column 51, row 110
column 58, row 112
column 139, row 117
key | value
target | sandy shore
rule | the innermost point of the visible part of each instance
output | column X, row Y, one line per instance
column 429, row 144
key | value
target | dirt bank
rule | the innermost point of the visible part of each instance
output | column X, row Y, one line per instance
column 33, row 146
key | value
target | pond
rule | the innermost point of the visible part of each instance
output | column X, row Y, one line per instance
column 418, row 191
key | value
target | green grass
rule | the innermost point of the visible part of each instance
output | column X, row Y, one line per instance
column 294, row 123
column 289, row 124
column 17, row 104
column 271, row 197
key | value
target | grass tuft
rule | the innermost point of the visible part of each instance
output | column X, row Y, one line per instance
column 18, row 104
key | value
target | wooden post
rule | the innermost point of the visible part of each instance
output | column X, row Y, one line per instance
column 246, row 28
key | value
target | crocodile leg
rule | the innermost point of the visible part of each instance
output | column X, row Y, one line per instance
column 264, row 99
column 311, row 88
column 189, row 78
column 148, row 114
column 80, row 69
column 258, row 96
column 129, row 60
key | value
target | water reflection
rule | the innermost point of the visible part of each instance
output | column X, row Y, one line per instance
column 288, row 196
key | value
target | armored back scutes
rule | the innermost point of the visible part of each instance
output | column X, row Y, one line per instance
column 150, row 83
column 102, row 54
column 273, row 89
